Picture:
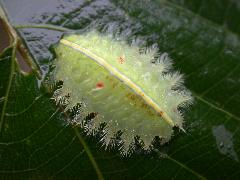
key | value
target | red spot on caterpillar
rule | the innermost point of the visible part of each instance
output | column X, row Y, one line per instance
column 100, row 85
column 121, row 59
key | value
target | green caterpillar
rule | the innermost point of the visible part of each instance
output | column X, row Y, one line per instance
column 131, row 91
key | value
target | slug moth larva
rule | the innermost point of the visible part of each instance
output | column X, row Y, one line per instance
column 132, row 91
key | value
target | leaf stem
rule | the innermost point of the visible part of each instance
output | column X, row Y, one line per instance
column 41, row 26
column 15, row 44
column 8, row 87
column 16, row 41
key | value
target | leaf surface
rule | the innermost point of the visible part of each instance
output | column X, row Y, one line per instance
column 37, row 143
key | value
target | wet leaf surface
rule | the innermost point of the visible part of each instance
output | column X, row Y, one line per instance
column 204, row 44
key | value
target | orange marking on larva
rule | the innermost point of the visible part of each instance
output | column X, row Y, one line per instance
column 100, row 85
column 160, row 113
column 121, row 59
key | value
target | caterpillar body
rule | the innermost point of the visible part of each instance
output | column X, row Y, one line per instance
column 132, row 91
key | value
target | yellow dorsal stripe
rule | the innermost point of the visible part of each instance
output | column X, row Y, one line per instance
column 121, row 77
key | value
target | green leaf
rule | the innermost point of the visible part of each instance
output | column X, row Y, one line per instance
column 35, row 140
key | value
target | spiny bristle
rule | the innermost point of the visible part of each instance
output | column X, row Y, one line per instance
column 175, row 79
